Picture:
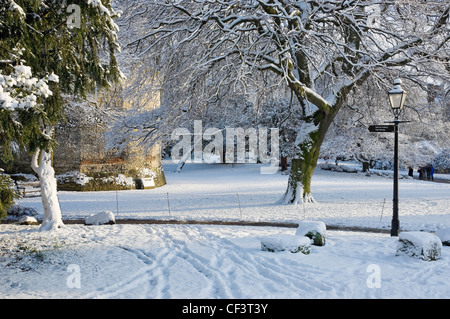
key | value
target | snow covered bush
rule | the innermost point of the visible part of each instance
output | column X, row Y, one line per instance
column 283, row 242
column 425, row 246
column 16, row 212
column 77, row 181
column 337, row 168
column 315, row 230
column 444, row 236
column 441, row 162
column 73, row 177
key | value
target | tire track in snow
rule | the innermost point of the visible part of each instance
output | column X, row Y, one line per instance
column 220, row 267
column 231, row 266
column 149, row 278
column 206, row 267
column 270, row 273
column 121, row 287
column 153, row 279
column 289, row 275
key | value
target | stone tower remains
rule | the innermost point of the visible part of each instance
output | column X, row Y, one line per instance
column 82, row 158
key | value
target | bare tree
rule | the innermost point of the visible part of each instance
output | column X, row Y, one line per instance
column 320, row 50
column 421, row 140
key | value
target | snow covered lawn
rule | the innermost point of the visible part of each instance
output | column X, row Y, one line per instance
column 210, row 261
column 239, row 192
column 191, row 261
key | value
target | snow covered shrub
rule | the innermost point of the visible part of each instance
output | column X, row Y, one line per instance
column 7, row 195
column 283, row 242
column 76, row 181
column 421, row 245
column 16, row 212
column 315, row 230
column 383, row 164
column 441, row 162
column 444, row 236
column 337, row 168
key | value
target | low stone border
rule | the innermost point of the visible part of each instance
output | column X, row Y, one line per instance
column 221, row 222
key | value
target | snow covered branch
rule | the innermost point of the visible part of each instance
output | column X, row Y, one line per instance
column 210, row 52
column 21, row 90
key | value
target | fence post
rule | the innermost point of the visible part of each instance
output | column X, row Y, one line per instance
column 239, row 201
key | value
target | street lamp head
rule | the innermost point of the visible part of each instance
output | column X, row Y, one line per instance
column 397, row 97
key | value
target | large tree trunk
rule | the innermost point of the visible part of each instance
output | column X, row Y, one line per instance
column 309, row 140
column 41, row 162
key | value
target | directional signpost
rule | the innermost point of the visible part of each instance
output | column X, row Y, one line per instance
column 381, row 128
column 392, row 128
column 395, row 228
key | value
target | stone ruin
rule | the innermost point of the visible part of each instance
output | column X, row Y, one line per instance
column 82, row 161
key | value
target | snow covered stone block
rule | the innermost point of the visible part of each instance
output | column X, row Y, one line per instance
column 283, row 242
column 315, row 230
column 28, row 220
column 444, row 236
column 422, row 245
column 102, row 218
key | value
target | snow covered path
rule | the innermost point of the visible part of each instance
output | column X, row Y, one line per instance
column 196, row 262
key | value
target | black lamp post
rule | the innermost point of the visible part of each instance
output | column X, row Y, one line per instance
column 397, row 99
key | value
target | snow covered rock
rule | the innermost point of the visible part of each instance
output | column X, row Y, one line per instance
column 444, row 236
column 102, row 218
column 422, row 245
column 282, row 242
column 315, row 230
column 28, row 220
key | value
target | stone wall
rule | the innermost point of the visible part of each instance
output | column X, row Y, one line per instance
column 81, row 159
column 67, row 153
column 83, row 162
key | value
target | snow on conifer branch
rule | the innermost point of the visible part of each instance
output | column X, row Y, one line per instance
column 21, row 90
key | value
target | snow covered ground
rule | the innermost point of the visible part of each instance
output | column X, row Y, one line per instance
column 212, row 261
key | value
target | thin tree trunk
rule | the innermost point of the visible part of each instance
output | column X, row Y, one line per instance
column 41, row 163
column 183, row 160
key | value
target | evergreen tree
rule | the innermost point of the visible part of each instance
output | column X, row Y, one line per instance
column 50, row 49
column 7, row 195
